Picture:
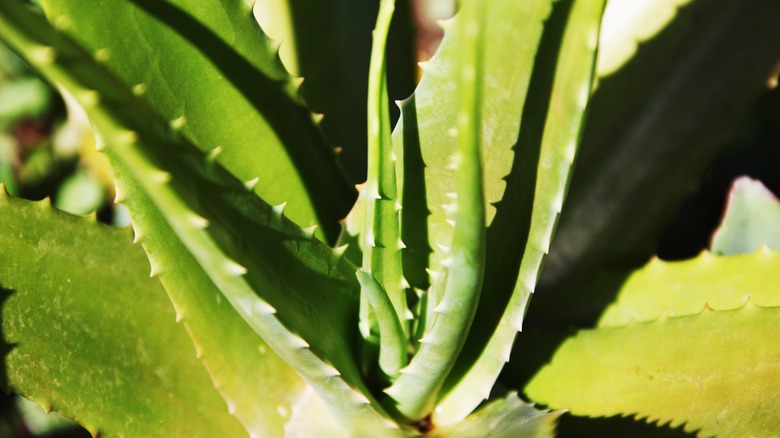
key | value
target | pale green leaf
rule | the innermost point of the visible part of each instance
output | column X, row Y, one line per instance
column 752, row 219
column 90, row 335
column 689, row 342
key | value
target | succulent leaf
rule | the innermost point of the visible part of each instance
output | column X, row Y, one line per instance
column 752, row 219
column 687, row 342
column 534, row 193
column 381, row 232
column 212, row 213
column 220, row 79
column 92, row 336
column 450, row 316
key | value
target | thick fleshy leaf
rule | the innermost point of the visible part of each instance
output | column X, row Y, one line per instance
column 214, row 215
column 678, row 352
column 503, row 418
column 519, row 235
column 90, row 335
column 206, row 67
column 454, row 295
column 752, row 219
column 688, row 107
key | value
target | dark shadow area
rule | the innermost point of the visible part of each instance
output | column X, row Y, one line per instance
column 5, row 347
column 415, row 213
column 508, row 233
column 754, row 153
column 653, row 130
column 570, row 426
column 315, row 160
column 333, row 40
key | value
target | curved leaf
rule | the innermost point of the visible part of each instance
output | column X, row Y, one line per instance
column 691, row 342
column 91, row 335
column 205, row 66
column 279, row 284
column 519, row 236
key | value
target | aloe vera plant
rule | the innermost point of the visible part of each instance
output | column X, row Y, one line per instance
column 310, row 308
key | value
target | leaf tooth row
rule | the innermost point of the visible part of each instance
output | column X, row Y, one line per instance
column 110, row 117
column 557, row 151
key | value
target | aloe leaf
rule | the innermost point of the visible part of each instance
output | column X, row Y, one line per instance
column 91, row 336
column 259, row 388
column 207, row 67
column 381, row 235
column 212, row 213
column 505, row 417
column 450, row 316
column 688, row 107
column 752, row 219
column 533, row 199
column 715, row 371
column 686, row 288
column 717, row 376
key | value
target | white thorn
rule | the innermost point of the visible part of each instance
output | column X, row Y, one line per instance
column 297, row 341
column 214, row 153
column 118, row 196
column 264, row 308
column 330, row 370
column 408, row 315
column 234, row 268
column 359, row 397
column 435, row 275
column 311, row 230
column 279, row 209
column 231, row 408
column 444, row 248
column 102, row 55
column 451, row 195
column 405, row 284
column 448, row 262
column 339, row 250
column 450, row 221
column 198, row 221
column 398, row 206
column 440, row 308
column 401, row 244
column 178, row 123
column 252, row 183
column 139, row 89
column 179, row 317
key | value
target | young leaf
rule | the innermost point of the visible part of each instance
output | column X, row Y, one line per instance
column 216, row 77
column 752, row 219
column 90, row 335
column 451, row 313
column 525, row 218
column 704, row 357
column 381, row 234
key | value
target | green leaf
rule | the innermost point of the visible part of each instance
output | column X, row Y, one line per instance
column 503, row 418
column 525, row 218
column 90, row 335
column 281, row 288
column 714, row 370
column 259, row 388
column 382, row 241
column 206, row 66
column 617, row 210
column 752, row 219
column 455, row 296
column 688, row 287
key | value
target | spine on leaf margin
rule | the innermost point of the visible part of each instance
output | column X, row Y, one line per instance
column 415, row 392
column 167, row 167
